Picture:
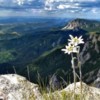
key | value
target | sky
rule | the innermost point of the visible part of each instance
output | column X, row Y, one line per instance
column 51, row 8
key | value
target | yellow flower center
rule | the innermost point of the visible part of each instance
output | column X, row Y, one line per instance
column 70, row 48
column 76, row 40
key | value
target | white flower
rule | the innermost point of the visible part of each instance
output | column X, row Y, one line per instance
column 70, row 49
column 75, row 40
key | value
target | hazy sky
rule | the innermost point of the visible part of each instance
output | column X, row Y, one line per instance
column 51, row 8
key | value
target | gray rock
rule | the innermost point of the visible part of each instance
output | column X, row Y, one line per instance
column 15, row 87
column 97, row 48
column 54, row 83
column 89, row 93
column 97, row 82
column 85, row 58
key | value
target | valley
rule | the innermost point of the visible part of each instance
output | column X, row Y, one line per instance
column 38, row 48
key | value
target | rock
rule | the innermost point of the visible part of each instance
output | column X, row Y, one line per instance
column 81, row 24
column 89, row 93
column 90, row 59
column 2, row 96
column 90, row 77
column 86, row 58
column 99, row 38
column 54, row 83
column 97, row 82
column 15, row 87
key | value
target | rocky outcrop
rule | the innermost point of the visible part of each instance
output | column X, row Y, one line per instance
column 81, row 24
column 88, row 93
column 90, row 58
column 92, row 44
column 97, row 81
column 15, row 87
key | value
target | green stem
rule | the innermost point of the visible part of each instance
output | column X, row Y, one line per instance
column 80, row 72
column 80, row 79
column 74, row 75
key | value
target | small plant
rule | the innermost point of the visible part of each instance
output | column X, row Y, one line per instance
column 71, row 48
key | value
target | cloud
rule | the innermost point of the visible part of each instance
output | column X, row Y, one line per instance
column 84, row 8
column 20, row 2
column 49, row 7
column 95, row 10
column 66, row 6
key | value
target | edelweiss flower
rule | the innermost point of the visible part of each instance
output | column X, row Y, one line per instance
column 70, row 49
column 75, row 40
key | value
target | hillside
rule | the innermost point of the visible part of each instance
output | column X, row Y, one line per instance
column 41, row 52
column 56, row 62
column 16, row 51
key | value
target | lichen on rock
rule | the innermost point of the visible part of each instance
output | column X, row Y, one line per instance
column 15, row 87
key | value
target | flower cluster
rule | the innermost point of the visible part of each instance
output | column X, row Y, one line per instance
column 72, row 46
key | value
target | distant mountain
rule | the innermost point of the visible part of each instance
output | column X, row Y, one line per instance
column 89, row 25
column 18, row 27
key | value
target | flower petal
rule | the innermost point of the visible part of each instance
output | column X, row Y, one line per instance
column 71, row 36
column 80, row 37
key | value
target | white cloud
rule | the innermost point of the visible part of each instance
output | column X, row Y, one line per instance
column 65, row 6
column 48, row 5
column 51, row 1
column 61, row 7
column 84, row 9
column 94, row 10
column 76, row 4
column 34, row 11
column 48, row 8
column 20, row 2
column 72, row 11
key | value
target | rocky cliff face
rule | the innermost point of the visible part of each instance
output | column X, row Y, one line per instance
column 91, row 46
column 90, row 58
column 81, row 24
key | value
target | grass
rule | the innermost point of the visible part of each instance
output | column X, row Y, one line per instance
column 60, row 96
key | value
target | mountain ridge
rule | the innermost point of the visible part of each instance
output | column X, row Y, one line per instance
column 82, row 24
